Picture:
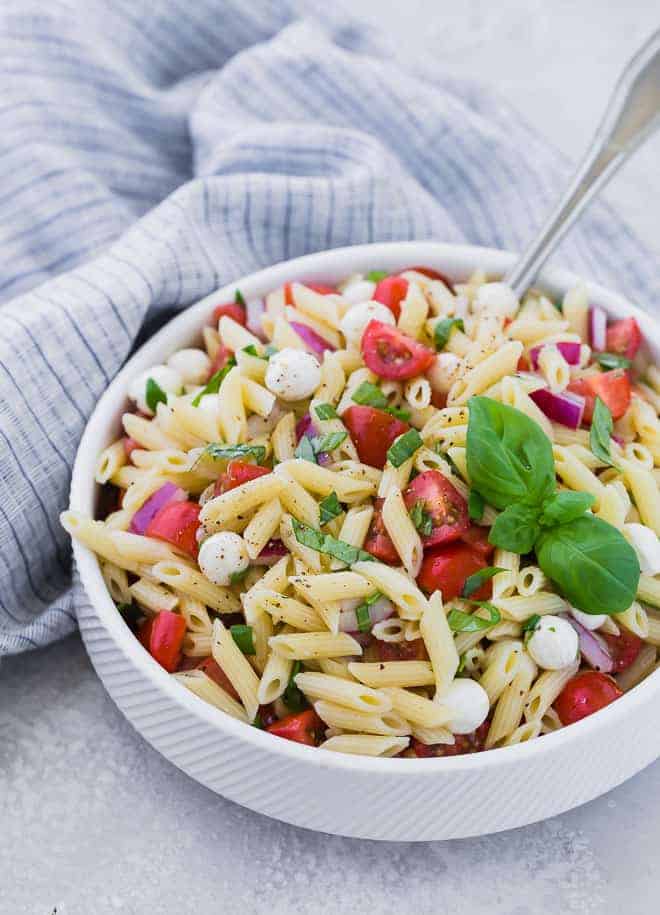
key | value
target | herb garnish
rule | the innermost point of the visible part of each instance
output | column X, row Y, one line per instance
column 325, row 543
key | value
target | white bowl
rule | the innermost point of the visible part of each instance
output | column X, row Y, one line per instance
column 396, row 799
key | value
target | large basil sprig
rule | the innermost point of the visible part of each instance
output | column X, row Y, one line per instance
column 509, row 460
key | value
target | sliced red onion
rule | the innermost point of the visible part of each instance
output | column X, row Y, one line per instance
column 254, row 310
column 619, row 440
column 271, row 553
column 564, row 408
column 570, row 352
column 380, row 610
column 167, row 493
column 592, row 648
column 323, row 458
column 305, row 426
column 597, row 328
column 314, row 341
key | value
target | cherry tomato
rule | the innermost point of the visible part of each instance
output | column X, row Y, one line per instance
column 321, row 288
column 463, row 743
column 389, row 353
column 477, row 538
column 213, row 670
column 303, row 727
column 401, row 651
column 612, row 387
column 378, row 541
column 432, row 275
column 162, row 636
column 372, row 431
column 438, row 399
column 391, row 292
column 624, row 337
column 177, row 524
column 584, row 694
column 237, row 473
column 220, row 360
column 446, row 568
column 445, row 505
column 623, row 648
column 230, row 310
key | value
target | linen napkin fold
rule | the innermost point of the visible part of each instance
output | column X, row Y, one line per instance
column 154, row 151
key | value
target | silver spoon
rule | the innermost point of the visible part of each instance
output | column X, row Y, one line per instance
column 632, row 115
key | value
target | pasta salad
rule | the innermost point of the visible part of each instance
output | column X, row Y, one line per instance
column 399, row 516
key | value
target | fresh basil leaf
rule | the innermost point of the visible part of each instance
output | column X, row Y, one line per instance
column 404, row 447
column 244, row 638
column 601, row 432
column 516, row 529
column 213, row 384
column 592, row 564
column 612, row 361
column 326, row 411
column 293, row 697
column 530, row 625
column 154, row 394
column 305, row 450
column 252, row 350
column 421, row 519
column 237, row 577
column 442, row 331
column 227, row 452
column 363, row 618
column 328, row 442
column 474, row 582
column 375, row 276
column 238, row 298
column 330, row 507
column 324, row 543
column 509, row 457
column 399, row 413
column 461, row 665
column 469, row 622
column 564, row 506
column 476, row 505
column 368, row 394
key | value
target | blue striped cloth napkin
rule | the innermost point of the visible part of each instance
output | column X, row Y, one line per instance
column 153, row 151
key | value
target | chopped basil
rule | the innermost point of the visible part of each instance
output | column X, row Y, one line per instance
column 363, row 618
column 404, row 447
column 331, row 546
column 600, row 433
column 421, row 519
column 243, row 636
column 227, row 452
column 442, row 331
column 330, row 508
column 466, row 622
column 326, row 411
column 252, row 350
column 213, row 384
column 305, row 450
column 530, row 624
column 474, row 582
column 237, row 577
column 293, row 697
column 612, row 361
column 154, row 394
column 375, row 276
column 258, row 723
column 370, row 395
column 131, row 614
column 238, row 298
column 461, row 665
column 476, row 505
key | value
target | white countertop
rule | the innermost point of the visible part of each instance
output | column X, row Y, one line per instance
column 93, row 821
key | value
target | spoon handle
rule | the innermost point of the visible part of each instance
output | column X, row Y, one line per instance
column 632, row 115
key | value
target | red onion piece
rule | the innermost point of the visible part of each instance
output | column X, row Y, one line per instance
column 597, row 328
column 167, row 493
column 592, row 648
column 564, row 408
column 570, row 352
column 270, row 554
column 254, row 310
column 310, row 338
column 618, row 440
column 305, row 426
column 323, row 458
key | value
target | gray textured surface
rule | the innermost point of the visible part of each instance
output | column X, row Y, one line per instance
column 92, row 820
